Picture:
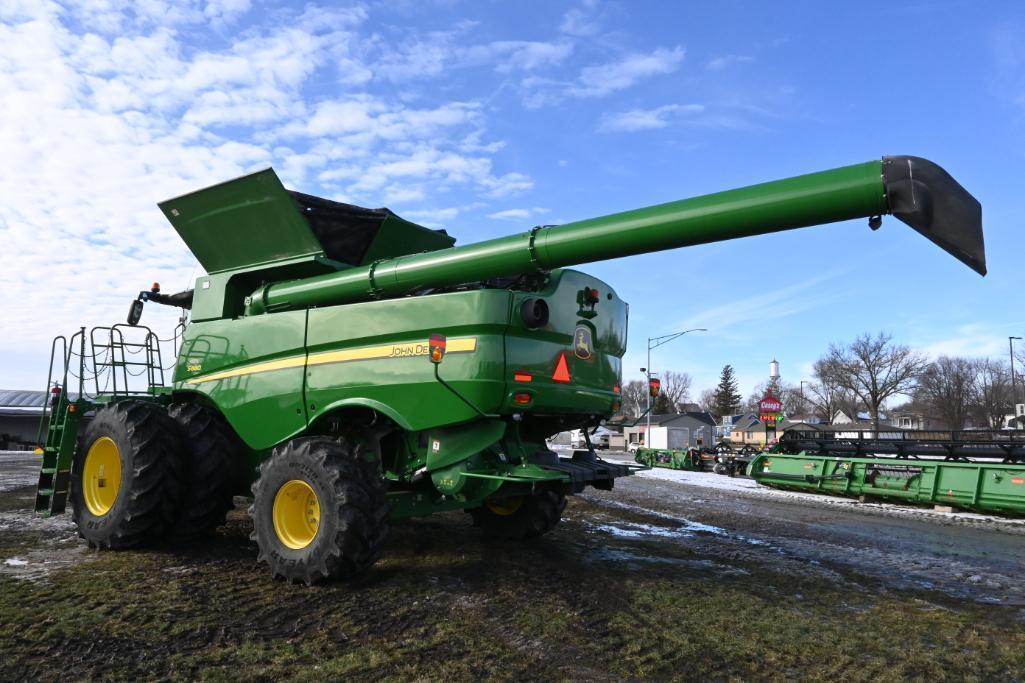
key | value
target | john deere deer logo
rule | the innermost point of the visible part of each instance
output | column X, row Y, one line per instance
column 582, row 345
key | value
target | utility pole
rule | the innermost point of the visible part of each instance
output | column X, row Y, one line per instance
column 804, row 408
column 1014, row 393
column 654, row 343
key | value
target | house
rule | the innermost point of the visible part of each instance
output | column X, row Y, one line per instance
column 742, row 424
column 700, row 426
column 915, row 419
column 725, row 426
column 758, row 433
column 841, row 417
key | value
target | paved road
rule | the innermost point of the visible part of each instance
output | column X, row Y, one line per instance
column 970, row 557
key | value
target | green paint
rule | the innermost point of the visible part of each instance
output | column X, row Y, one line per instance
column 985, row 487
column 813, row 199
column 295, row 330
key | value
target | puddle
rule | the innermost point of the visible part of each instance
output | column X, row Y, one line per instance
column 685, row 528
column 37, row 564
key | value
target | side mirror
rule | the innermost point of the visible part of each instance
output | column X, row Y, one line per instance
column 437, row 348
column 135, row 312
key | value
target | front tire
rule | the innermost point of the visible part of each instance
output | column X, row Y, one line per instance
column 320, row 510
column 126, row 481
column 520, row 517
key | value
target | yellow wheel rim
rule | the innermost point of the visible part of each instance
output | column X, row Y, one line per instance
column 506, row 506
column 101, row 475
column 296, row 514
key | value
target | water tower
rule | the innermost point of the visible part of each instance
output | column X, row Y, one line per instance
column 774, row 369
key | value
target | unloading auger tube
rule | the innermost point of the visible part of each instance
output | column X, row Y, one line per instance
column 915, row 190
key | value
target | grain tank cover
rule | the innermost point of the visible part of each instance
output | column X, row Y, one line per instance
column 253, row 221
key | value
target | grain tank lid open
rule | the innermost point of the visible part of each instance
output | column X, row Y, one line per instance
column 253, row 221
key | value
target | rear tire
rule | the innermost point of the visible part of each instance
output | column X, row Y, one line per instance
column 320, row 510
column 126, row 481
column 520, row 517
column 211, row 452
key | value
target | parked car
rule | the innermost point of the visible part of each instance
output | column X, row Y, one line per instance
column 632, row 447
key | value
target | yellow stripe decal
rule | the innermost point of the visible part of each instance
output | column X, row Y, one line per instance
column 465, row 345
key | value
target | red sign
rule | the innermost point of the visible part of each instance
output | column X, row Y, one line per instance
column 770, row 404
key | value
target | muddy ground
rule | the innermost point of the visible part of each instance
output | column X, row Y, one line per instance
column 662, row 578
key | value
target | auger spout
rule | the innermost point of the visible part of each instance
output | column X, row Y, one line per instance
column 917, row 191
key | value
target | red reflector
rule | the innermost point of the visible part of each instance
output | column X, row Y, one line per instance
column 436, row 344
column 521, row 398
column 521, row 376
column 72, row 408
column 561, row 373
column 615, row 389
column 1018, row 480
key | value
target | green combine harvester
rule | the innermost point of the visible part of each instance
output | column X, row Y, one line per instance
column 344, row 367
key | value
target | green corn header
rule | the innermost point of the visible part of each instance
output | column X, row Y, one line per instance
column 346, row 367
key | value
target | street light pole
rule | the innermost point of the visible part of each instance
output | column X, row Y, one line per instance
column 1014, row 398
column 804, row 408
column 654, row 343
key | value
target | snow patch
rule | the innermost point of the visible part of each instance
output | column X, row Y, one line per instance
column 685, row 527
column 15, row 562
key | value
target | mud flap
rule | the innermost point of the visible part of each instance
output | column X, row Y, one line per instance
column 584, row 469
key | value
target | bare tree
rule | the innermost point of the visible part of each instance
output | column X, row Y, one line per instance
column 947, row 389
column 794, row 404
column 676, row 389
column 992, row 401
column 874, row 369
column 633, row 394
column 708, row 402
column 826, row 396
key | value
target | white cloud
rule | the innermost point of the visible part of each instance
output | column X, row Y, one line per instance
column 508, row 184
column 603, row 79
column 599, row 80
column 726, row 61
column 646, row 119
column 518, row 214
column 431, row 217
column 438, row 53
column 716, row 116
column 771, row 305
column 975, row 340
column 581, row 21
column 108, row 108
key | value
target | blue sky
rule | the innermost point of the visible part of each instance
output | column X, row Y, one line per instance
column 487, row 118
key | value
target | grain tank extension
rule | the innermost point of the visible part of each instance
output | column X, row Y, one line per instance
column 345, row 367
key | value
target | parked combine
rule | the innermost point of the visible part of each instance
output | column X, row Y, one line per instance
column 344, row 367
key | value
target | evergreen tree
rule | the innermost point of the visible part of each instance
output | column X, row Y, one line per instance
column 726, row 398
